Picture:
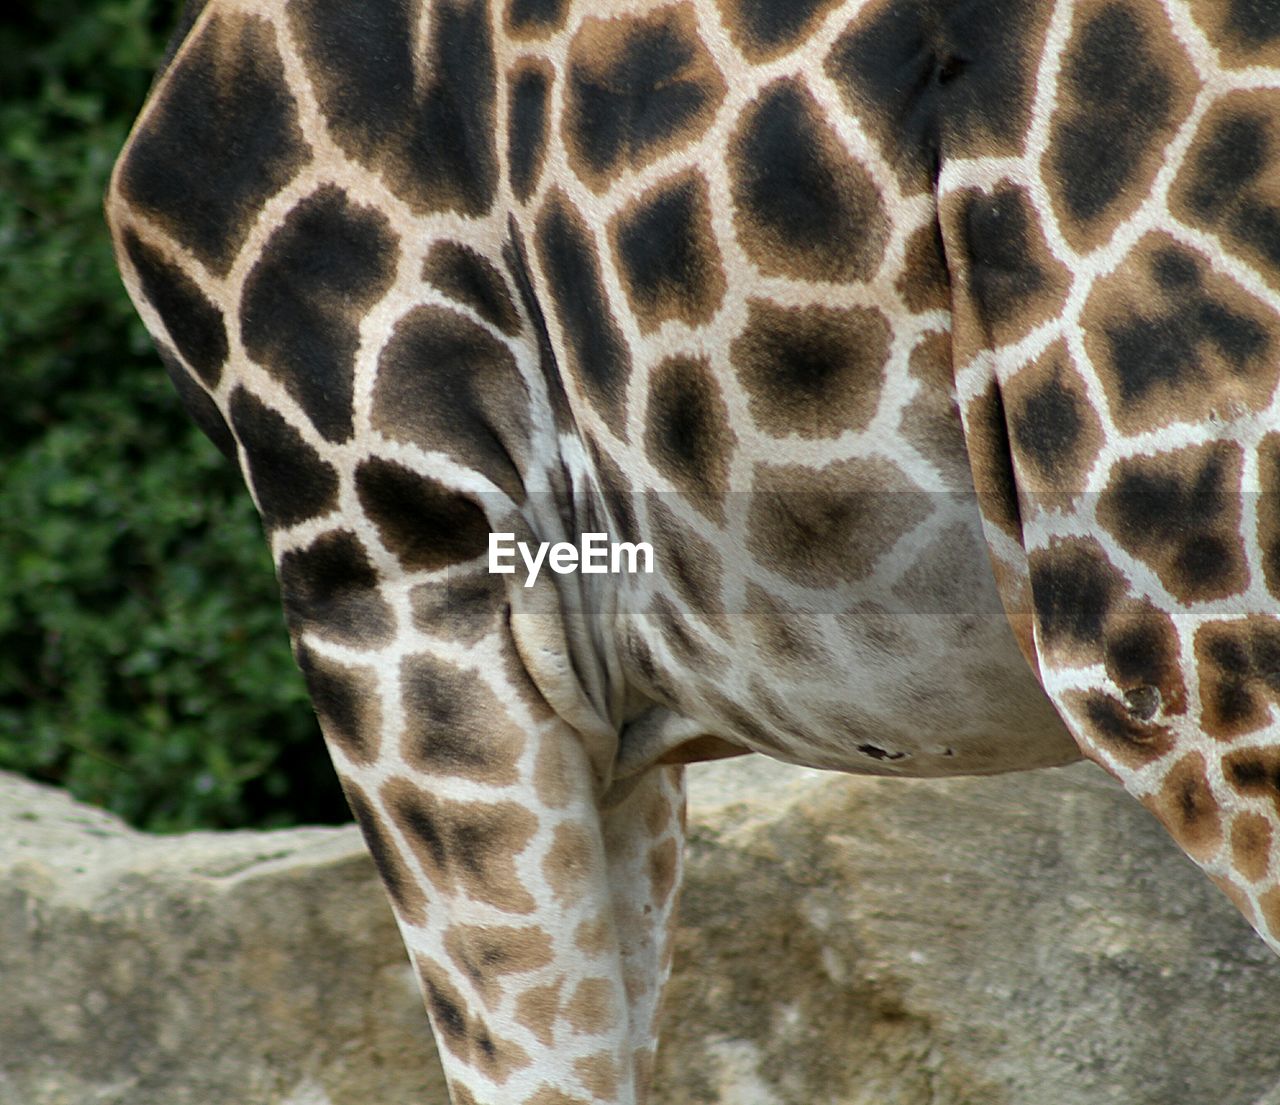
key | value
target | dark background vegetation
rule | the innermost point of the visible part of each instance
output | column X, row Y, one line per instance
column 143, row 659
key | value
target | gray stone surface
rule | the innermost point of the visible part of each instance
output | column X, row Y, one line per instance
column 1026, row 940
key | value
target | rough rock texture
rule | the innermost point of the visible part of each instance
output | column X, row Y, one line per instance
column 1027, row 940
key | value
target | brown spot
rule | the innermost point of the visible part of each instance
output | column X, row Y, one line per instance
column 1254, row 773
column 1251, row 845
column 802, row 206
column 487, row 953
column 538, row 1009
column 462, row 1030
column 593, row 1008
column 834, row 524
column 786, row 635
column 1270, row 905
column 402, row 885
column 925, row 283
column 455, row 725
column 1268, row 507
column 688, row 437
column 1007, row 279
column 599, row 1073
column 594, row 937
column 813, row 371
column 1125, row 87
column 1237, row 897
column 1076, row 590
column 465, row 847
column 1111, row 725
column 1244, row 32
column 1187, row 807
column 925, row 80
column 687, row 645
column 1230, row 179
column 991, row 457
column 664, row 865
column 637, row 87
column 332, row 589
column 461, row 607
column 931, row 421
column 1054, row 430
column 346, row 700
column 666, row 253
column 446, row 383
column 472, row 280
column 571, row 862
column 1142, row 652
column 1238, row 663
column 764, row 29
column 553, row 774
column 690, row 563
column 1173, row 340
column 534, row 18
column 1180, row 513
column 657, row 813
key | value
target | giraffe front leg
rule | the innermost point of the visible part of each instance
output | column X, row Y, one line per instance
column 535, row 901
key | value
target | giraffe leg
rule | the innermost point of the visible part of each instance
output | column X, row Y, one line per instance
column 535, row 898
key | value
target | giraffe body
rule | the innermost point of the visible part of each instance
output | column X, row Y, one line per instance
column 932, row 344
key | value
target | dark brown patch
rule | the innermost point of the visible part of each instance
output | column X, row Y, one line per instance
column 455, row 725
column 666, row 252
column 1230, row 180
column 461, row 1029
column 425, row 524
column 219, row 140
column 528, row 97
column 787, row 636
column 637, row 86
column 688, row 437
column 763, row 29
column 1180, row 513
column 1001, row 263
column 290, row 480
column 460, row 607
column 690, row 563
column 446, row 383
column 1251, row 835
column 1142, row 655
column 1254, row 773
column 813, row 371
column 426, row 123
column 1109, row 724
column 1239, row 667
column 597, row 352
column 1268, row 509
column 688, row 646
column 300, row 310
column 572, row 862
column 467, row 848
column 1076, row 590
column 1187, row 808
column 194, row 323
column 925, row 283
column 1175, row 341
column 470, row 279
column 929, row 79
column 488, row 953
column 535, row 18
column 346, row 701
column 1054, row 430
column 833, row 524
column 803, row 207
column 1125, row 87
column 1245, row 32
column 402, row 885
column 991, row 460
column 931, row 421
column 331, row 588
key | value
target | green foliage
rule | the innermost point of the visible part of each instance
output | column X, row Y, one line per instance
column 143, row 660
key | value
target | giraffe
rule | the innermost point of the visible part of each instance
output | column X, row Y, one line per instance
column 931, row 344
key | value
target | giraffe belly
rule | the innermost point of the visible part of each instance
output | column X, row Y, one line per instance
column 909, row 668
